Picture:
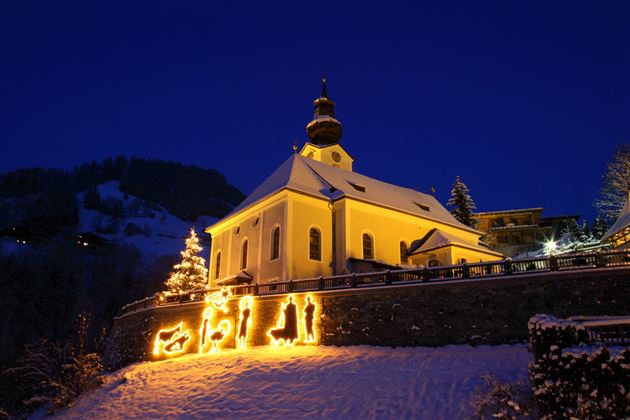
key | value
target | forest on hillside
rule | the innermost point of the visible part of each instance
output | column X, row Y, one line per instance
column 44, row 200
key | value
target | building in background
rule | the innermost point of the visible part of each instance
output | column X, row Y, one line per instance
column 516, row 232
column 314, row 216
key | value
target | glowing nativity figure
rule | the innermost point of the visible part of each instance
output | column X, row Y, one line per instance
column 288, row 332
column 245, row 321
column 219, row 334
column 219, row 299
column 170, row 341
column 204, row 331
column 309, row 318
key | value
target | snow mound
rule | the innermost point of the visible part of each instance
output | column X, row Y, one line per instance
column 319, row 382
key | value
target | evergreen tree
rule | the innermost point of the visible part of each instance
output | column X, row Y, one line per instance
column 461, row 203
column 191, row 273
column 615, row 186
column 599, row 228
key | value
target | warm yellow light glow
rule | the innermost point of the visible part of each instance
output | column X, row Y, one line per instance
column 219, row 299
column 204, row 330
column 170, row 341
column 245, row 305
column 310, row 314
column 287, row 330
column 218, row 335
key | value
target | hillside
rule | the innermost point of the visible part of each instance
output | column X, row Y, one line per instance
column 295, row 382
column 43, row 201
column 84, row 242
column 140, row 223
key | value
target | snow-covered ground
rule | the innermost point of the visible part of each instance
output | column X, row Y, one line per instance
column 318, row 382
column 164, row 232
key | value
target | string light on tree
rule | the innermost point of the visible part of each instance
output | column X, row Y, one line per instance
column 191, row 273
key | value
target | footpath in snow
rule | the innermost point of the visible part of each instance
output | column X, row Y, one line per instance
column 318, row 382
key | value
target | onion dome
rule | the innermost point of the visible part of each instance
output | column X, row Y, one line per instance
column 324, row 128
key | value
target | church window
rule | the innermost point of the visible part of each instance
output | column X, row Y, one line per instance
column 217, row 266
column 368, row 247
column 403, row 253
column 275, row 243
column 315, row 245
column 244, row 255
column 357, row 186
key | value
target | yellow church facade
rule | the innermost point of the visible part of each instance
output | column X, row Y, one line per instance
column 314, row 216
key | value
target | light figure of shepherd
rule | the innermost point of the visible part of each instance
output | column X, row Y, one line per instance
column 287, row 327
column 245, row 320
column 204, row 331
column 309, row 320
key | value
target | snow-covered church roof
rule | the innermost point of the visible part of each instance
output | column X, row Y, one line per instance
column 436, row 239
column 622, row 222
column 308, row 176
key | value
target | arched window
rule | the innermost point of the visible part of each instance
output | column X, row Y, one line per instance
column 315, row 245
column 217, row 265
column 368, row 247
column 275, row 243
column 403, row 253
column 244, row 255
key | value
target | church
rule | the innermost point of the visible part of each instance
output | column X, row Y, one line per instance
column 314, row 216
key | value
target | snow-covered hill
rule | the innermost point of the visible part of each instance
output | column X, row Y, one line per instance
column 319, row 382
column 153, row 229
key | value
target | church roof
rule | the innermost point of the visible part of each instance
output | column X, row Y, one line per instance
column 301, row 174
column 622, row 222
column 436, row 238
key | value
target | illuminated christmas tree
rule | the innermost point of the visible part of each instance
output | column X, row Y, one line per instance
column 191, row 273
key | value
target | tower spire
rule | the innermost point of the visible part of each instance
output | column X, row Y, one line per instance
column 324, row 91
column 324, row 128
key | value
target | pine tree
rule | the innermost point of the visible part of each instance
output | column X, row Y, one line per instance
column 615, row 186
column 461, row 203
column 599, row 228
column 191, row 273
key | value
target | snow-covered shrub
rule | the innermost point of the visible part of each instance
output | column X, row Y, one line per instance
column 576, row 381
column 504, row 400
column 54, row 374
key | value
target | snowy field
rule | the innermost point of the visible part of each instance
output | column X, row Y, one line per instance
column 317, row 382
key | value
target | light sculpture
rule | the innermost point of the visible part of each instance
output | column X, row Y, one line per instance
column 170, row 341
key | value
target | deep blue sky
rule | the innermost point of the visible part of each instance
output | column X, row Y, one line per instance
column 525, row 100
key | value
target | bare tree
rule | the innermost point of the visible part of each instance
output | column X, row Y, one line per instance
column 615, row 185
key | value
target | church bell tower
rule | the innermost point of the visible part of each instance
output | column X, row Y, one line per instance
column 324, row 132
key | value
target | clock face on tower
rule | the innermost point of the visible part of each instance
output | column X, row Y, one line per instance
column 336, row 156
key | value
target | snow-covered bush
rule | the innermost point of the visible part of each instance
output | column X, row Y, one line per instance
column 54, row 374
column 504, row 400
column 576, row 381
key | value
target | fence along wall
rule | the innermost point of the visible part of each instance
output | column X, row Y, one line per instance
column 490, row 310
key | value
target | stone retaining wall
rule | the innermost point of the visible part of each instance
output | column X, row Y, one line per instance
column 490, row 311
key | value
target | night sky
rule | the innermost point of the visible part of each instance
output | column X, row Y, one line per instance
column 525, row 100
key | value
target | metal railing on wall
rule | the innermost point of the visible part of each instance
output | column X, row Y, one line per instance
column 501, row 268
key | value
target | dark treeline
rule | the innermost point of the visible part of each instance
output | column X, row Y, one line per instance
column 44, row 199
